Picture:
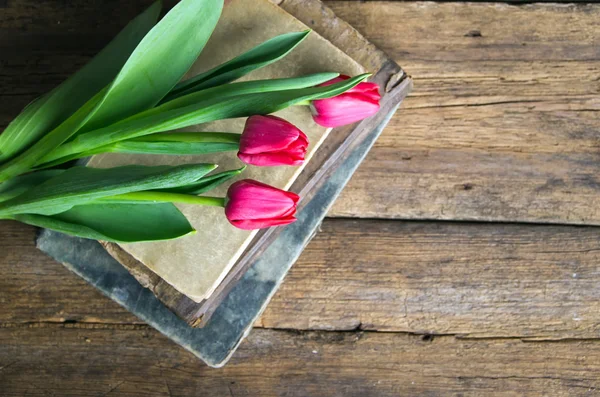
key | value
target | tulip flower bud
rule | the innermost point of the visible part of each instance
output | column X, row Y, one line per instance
column 253, row 205
column 270, row 140
column 353, row 105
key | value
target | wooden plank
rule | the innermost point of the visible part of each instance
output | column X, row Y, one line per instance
column 502, row 123
column 35, row 288
column 477, row 280
column 42, row 43
column 139, row 362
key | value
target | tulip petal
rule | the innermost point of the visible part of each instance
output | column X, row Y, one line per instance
column 272, row 141
column 267, row 134
column 254, row 205
column 354, row 105
column 262, row 223
column 343, row 109
column 271, row 159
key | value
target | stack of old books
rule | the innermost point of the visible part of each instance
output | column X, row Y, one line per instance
column 204, row 291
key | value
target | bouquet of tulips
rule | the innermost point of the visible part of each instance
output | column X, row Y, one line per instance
column 130, row 99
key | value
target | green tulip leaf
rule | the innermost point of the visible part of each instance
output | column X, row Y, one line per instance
column 188, row 194
column 157, row 64
column 258, row 57
column 83, row 185
column 50, row 110
column 27, row 160
column 16, row 186
column 243, row 88
column 123, row 223
column 160, row 61
column 210, row 109
column 207, row 183
column 68, row 152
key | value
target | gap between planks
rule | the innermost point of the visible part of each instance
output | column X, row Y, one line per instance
column 427, row 337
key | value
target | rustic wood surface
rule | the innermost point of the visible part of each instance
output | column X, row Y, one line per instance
column 502, row 126
column 135, row 361
column 502, row 123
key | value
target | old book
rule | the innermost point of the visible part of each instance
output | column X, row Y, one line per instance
column 196, row 264
column 334, row 149
column 227, row 315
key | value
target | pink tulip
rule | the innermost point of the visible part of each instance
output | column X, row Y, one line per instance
column 254, row 205
column 353, row 105
column 270, row 140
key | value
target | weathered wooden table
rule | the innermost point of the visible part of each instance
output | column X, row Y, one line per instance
column 462, row 259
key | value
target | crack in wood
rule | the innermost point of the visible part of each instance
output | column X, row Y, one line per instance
column 474, row 105
column 74, row 324
column 3, row 368
column 521, row 377
column 113, row 389
column 335, row 335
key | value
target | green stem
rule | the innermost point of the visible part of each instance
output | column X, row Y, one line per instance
column 55, row 158
column 164, row 197
column 196, row 137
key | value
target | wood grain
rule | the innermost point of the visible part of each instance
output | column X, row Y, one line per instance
column 475, row 280
column 35, row 288
column 44, row 42
column 48, row 361
column 502, row 124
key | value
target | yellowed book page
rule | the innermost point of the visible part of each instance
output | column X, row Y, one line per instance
column 196, row 264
